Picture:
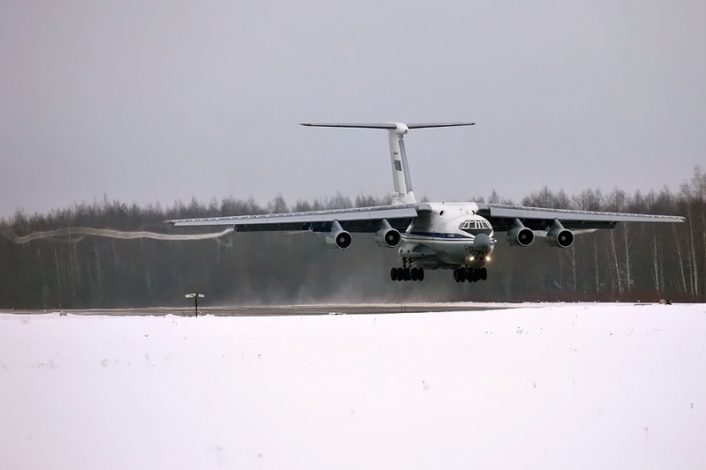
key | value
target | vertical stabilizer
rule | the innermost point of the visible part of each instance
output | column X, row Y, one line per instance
column 401, row 179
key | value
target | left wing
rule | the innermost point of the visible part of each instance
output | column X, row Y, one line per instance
column 502, row 217
column 360, row 219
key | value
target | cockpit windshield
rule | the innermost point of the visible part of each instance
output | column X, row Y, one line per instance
column 475, row 224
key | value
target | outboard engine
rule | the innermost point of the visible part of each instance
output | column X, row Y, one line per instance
column 337, row 237
column 387, row 236
column 558, row 236
column 519, row 235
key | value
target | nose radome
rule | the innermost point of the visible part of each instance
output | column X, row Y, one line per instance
column 483, row 243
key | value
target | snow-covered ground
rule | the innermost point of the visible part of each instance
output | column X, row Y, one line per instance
column 565, row 386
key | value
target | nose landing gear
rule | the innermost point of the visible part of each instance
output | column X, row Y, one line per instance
column 470, row 274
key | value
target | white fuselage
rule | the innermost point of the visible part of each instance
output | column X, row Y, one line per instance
column 448, row 235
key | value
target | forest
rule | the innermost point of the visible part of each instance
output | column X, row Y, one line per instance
column 633, row 262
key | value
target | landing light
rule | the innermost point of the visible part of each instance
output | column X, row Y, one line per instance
column 488, row 258
column 472, row 258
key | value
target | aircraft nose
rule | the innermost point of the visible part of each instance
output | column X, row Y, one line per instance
column 483, row 243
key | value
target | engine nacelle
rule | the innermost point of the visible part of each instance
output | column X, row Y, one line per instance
column 338, row 238
column 520, row 235
column 387, row 236
column 558, row 236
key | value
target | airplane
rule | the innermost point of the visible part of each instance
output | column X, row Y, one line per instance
column 458, row 236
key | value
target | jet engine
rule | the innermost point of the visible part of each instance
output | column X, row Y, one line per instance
column 519, row 235
column 387, row 236
column 558, row 236
column 338, row 238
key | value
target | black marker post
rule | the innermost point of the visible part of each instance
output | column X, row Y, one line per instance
column 195, row 296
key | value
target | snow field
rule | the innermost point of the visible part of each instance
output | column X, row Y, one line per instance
column 561, row 386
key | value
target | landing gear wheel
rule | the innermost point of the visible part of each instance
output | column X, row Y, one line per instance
column 483, row 274
column 407, row 274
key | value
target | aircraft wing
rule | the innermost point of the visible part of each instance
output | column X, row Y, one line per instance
column 501, row 217
column 359, row 219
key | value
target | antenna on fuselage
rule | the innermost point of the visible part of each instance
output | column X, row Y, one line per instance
column 398, row 155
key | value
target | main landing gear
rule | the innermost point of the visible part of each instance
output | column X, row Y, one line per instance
column 470, row 274
column 407, row 274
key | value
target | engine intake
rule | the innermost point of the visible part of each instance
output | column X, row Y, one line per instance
column 558, row 236
column 338, row 238
column 387, row 236
column 520, row 235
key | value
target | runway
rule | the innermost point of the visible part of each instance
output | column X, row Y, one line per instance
column 285, row 310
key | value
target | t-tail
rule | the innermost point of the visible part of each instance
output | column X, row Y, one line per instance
column 401, row 178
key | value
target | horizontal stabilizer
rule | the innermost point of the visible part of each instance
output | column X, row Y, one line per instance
column 370, row 125
column 428, row 125
column 387, row 125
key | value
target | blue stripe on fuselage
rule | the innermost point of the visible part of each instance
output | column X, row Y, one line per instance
column 442, row 236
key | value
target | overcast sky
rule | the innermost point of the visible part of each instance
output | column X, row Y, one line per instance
column 158, row 101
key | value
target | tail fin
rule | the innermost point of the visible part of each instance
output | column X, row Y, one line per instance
column 398, row 155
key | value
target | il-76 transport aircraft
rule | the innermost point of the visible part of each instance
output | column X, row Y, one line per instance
column 459, row 236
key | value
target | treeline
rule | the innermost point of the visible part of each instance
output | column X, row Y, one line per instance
column 633, row 262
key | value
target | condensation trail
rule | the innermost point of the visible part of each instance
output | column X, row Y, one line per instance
column 76, row 234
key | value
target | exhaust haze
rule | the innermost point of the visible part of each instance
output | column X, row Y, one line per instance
column 76, row 234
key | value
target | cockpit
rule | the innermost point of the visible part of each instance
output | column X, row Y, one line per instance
column 476, row 226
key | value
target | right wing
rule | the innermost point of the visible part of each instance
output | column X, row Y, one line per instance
column 502, row 216
column 359, row 219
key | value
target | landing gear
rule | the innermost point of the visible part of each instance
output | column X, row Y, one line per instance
column 407, row 274
column 470, row 274
column 417, row 274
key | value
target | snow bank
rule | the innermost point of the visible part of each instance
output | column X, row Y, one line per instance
column 582, row 386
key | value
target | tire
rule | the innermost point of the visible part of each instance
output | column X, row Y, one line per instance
column 421, row 274
column 484, row 274
column 414, row 274
column 393, row 274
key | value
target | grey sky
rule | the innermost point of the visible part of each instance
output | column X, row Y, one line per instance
column 155, row 101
